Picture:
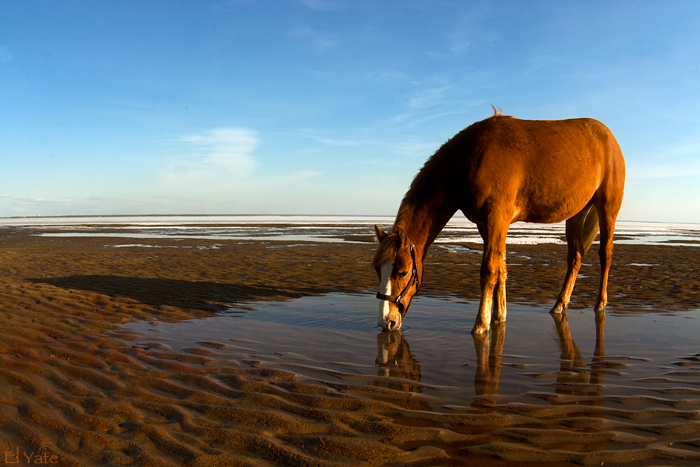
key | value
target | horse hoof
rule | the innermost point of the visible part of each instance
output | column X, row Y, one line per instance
column 558, row 309
column 479, row 329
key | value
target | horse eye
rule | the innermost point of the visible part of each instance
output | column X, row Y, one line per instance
column 403, row 274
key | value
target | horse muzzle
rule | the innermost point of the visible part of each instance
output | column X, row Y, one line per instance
column 390, row 318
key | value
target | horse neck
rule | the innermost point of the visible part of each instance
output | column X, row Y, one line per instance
column 422, row 221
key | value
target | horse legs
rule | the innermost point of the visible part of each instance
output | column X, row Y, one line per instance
column 493, row 274
column 499, row 303
column 576, row 250
column 607, row 228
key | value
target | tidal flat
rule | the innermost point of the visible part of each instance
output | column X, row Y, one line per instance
column 198, row 350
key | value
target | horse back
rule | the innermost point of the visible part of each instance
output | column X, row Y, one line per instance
column 534, row 170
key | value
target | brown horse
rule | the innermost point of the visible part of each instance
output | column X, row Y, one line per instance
column 499, row 171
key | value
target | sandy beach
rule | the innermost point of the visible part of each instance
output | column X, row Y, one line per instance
column 78, row 387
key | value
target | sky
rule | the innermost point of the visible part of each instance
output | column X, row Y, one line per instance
column 326, row 106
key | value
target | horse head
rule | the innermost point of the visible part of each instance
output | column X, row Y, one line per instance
column 399, row 269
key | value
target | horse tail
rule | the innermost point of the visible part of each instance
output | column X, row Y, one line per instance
column 586, row 230
column 590, row 229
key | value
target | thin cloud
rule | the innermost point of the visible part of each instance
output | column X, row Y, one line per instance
column 228, row 149
column 337, row 142
column 392, row 76
column 5, row 54
column 416, row 149
column 651, row 172
column 429, row 97
column 324, row 5
column 303, row 175
column 319, row 42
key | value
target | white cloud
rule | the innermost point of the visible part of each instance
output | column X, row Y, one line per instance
column 337, row 142
column 227, row 149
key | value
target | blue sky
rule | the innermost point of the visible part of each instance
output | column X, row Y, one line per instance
column 326, row 106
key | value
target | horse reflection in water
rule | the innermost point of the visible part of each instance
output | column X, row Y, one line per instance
column 574, row 378
column 399, row 369
column 397, row 364
column 488, row 361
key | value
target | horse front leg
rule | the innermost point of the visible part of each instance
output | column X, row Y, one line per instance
column 492, row 270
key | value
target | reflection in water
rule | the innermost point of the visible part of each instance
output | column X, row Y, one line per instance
column 488, row 359
column 400, row 371
column 575, row 378
column 396, row 362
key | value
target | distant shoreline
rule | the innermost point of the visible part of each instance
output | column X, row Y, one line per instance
column 345, row 228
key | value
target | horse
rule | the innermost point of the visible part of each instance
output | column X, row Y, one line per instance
column 499, row 171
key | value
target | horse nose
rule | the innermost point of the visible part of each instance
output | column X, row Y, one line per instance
column 391, row 325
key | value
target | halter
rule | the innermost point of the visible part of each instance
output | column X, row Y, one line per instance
column 398, row 300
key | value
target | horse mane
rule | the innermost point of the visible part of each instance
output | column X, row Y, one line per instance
column 424, row 181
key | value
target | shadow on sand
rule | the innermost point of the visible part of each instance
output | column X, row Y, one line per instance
column 193, row 295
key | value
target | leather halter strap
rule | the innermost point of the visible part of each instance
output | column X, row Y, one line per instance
column 398, row 299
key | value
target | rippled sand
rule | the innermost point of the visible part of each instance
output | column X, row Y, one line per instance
column 107, row 358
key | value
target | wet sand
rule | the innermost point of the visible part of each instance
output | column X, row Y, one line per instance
column 79, row 387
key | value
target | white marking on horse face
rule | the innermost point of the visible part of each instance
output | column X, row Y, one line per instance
column 384, row 288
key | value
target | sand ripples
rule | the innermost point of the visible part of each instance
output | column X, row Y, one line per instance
column 93, row 393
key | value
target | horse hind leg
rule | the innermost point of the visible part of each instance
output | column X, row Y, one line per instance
column 499, row 301
column 607, row 229
column 580, row 233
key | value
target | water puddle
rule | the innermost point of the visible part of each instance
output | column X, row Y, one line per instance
column 648, row 361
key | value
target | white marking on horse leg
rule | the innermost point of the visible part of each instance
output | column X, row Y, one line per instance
column 491, row 267
column 384, row 288
column 499, row 304
column 483, row 317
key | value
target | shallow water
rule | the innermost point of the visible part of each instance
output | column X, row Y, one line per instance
column 624, row 359
column 323, row 229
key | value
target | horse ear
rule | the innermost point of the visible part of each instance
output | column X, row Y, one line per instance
column 379, row 233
